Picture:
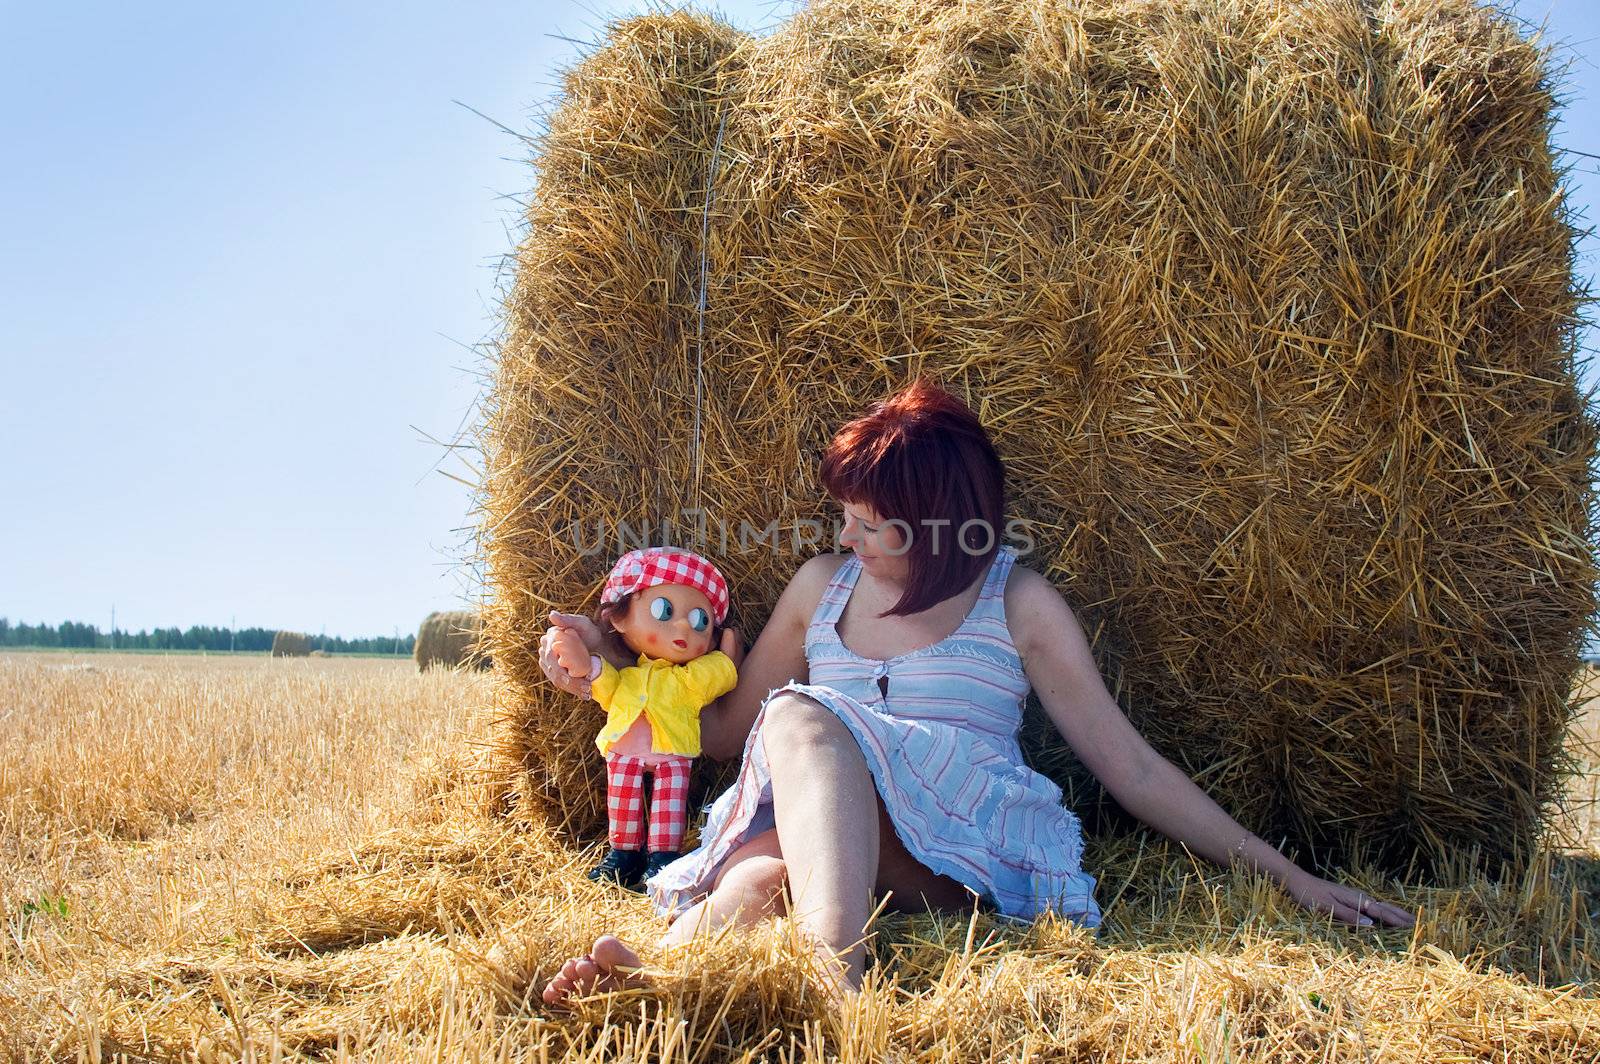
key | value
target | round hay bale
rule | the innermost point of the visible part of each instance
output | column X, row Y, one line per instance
column 1269, row 307
column 448, row 639
column 291, row 645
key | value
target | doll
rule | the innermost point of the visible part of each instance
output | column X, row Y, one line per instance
column 664, row 603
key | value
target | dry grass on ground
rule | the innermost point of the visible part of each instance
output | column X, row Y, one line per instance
column 209, row 858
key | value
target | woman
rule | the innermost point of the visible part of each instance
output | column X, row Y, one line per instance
column 890, row 683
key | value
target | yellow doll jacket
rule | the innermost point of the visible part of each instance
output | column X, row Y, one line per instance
column 670, row 696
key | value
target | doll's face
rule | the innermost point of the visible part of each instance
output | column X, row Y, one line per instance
column 667, row 621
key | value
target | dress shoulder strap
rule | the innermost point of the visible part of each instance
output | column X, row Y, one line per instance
column 991, row 600
column 837, row 593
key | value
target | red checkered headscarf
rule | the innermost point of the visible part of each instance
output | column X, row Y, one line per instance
column 639, row 569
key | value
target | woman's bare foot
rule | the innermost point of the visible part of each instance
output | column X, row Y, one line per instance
column 610, row 965
column 838, row 988
column 837, row 976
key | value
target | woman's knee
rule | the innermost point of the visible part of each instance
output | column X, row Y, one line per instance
column 760, row 874
column 764, row 845
column 755, row 885
column 793, row 722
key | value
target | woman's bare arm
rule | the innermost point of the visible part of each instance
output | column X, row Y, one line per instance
column 778, row 656
column 1060, row 667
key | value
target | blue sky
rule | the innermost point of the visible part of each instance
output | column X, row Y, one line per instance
column 246, row 254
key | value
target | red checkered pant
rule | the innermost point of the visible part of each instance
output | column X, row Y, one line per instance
column 669, row 800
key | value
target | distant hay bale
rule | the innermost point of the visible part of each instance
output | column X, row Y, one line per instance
column 1269, row 307
column 321, row 654
column 290, row 645
column 450, row 638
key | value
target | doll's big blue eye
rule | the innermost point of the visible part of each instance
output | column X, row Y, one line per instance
column 699, row 619
column 661, row 608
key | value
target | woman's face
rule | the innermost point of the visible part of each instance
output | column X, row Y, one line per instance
column 668, row 621
column 879, row 545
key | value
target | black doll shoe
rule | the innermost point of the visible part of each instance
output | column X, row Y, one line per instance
column 659, row 859
column 622, row 867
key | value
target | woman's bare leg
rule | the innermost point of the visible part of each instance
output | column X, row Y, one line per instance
column 834, row 843
column 826, row 811
column 748, row 889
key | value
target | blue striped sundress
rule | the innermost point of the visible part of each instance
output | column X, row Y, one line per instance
column 943, row 752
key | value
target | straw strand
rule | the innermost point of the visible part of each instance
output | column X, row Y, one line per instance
column 700, row 314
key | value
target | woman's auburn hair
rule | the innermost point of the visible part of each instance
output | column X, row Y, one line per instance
column 922, row 457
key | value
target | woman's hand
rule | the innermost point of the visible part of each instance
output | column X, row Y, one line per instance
column 558, row 643
column 1345, row 903
column 733, row 646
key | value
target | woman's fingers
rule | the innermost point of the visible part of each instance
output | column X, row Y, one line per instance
column 1351, row 905
column 1351, row 915
column 1367, row 905
column 573, row 685
column 1359, row 908
column 587, row 630
column 547, row 655
column 1392, row 915
column 733, row 645
column 1356, row 905
column 1340, row 904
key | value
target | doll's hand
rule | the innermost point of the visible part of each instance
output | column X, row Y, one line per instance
column 564, row 656
column 733, row 646
column 570, row 652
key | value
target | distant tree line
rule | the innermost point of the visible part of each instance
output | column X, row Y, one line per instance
column 75, row 634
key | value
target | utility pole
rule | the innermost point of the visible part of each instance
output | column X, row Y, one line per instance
column 233, row 624
column 397, row 640
column 113, row 626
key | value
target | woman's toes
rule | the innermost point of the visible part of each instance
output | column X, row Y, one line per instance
column 611, row 953
column 609, row 967
column 556, row 989
column 565, row 982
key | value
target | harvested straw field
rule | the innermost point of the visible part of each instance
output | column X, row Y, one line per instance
column 290, row 645
column 306, row 860
column 449, row 639
column 1268, row 306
